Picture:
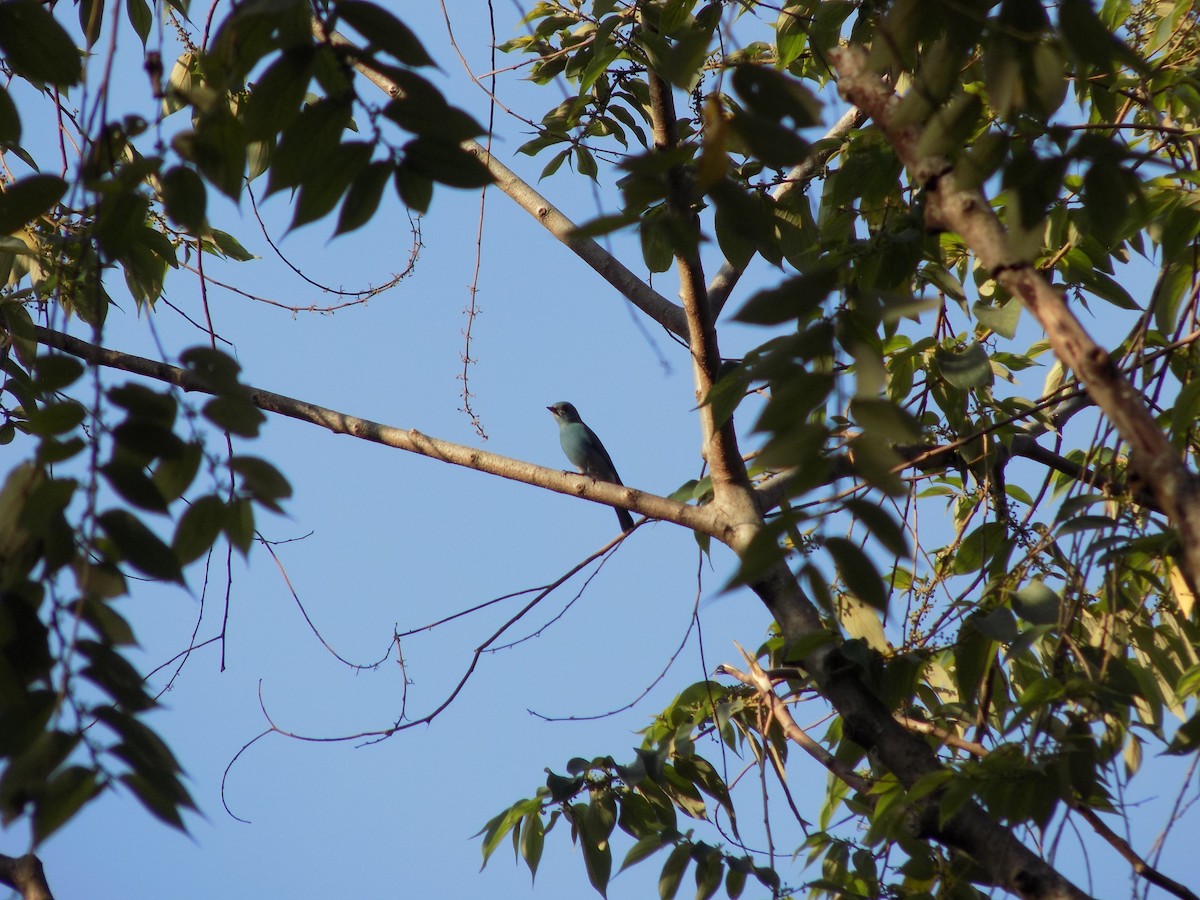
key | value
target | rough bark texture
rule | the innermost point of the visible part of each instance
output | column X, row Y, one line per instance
column 24, row 874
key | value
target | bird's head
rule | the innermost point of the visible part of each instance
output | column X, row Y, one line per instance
column 564, row 412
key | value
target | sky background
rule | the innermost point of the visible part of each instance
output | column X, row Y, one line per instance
column 375, row 539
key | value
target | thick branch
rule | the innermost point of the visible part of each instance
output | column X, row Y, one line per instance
column 866, row 721
column 704, row 519
column 24, row 875
column 731, row 483
column 967, row 212
column 667, row 314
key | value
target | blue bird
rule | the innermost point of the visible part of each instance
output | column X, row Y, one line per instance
column 585, row 451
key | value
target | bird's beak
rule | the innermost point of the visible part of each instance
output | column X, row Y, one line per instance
column 550, row 409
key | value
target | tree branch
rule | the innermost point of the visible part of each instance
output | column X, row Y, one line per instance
column 24, row 874
column 757, row 679
column 704, row 519
column 967, row 212
column 1008, row 863
column 1140, row 866
column 731, row 482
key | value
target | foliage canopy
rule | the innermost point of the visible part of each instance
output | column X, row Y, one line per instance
column 977, row 530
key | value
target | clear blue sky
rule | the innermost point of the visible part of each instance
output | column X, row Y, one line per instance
column 381, row 539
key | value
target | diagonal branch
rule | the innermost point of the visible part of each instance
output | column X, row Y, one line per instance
column 700, row 519
column 667, row 314
column 24, row 875
column 967, row 212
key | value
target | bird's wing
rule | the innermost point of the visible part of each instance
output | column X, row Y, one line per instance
column 611, row 473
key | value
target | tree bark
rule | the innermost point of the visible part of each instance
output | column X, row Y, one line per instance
column 24, row 874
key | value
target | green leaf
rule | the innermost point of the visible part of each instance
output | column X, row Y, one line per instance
column 672, row 871
column 709, row 872
column 1041, row 692
column 701, row 773
column 239, row 524
column 218, row 149
column 140, row 17
column 964, row 369
column 175, row 473
column 63, row 796
column 944, row 281
column 115, row 675
column 597, row 852
column 229, row 246
column 1000, row 319
column 791, row 32
column 422, row 109
column 10, row 120
column 776, row 96
column 1089, row 40
column 533, row 837
column 307, row 143
column 446, row 163
column 107, row 622
column 55, row 371
column 681, row 63
column 198, row 528
column 364, row 195
column 185, row 198
column 318, row 195
column 35, row 46
column 1036, row 603
column 139, row 546
column 735, row 879
column 1173, row 282
column 91, row 18
column 262, row 480
column 24, row 201
column 980, row 547
column 858, row 572
column 999, row 624
column 949, row 129
column 884, row 421
column 555, row 164
column 237, row 415
column 56, row 418
column 1187, row 738
column 499, row 826
column 414, row 189
column 657, row 249
column 385, row 31
column 644, row 848
column 881, row 524
column 133, row 484
column 158, row 802
column 276, row 97
column 795, row 299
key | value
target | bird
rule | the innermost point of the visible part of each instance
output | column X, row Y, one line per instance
column 585, row 451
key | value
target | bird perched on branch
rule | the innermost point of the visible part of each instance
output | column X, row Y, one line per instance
column 585, row 451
